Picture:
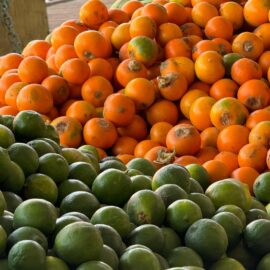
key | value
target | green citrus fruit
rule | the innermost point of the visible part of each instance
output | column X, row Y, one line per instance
column 184, row 256
column 3, row 240
column 114, row 217
column 264, row 263
column 200, row 174
column 229, row 59
column 181, row 214
column 7, row 120
column 74, row 155
column 139, row 182
column 207, row 238
column 55, row 166
column 51, row 133
column 12, row 200
column 22, row 253
column 134, row 172
column 78, row 242
column 80, row 201
column 254, row 214
column 145, row 206
column 94, row 265
column 56, row 146
column 4, row 264
column 256, row 204
column 4, row 163
column 27, row 233
column 91, row 149
column 42, row 147
column 18, row 153
column 195, row 186
column 227, row 263
column 171, row 240
column 81, row 216
column 261, row 187
column 40, row 186
column 172, row 174
column 37, row 213
column 54, row 263
column 143, row 165
column 115, row 164
column 6, row 137
column 6, row 221
column 109, row 256
column 63, row 221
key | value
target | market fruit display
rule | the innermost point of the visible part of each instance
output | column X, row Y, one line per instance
column 146, row 122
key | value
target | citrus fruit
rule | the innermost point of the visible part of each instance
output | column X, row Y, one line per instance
column 146, row 207
column 138, row 258
column 199, row 173
column 139, row 182
column 254, row 214
column 7, row 120
column 109, row 256
column 28, row 125
column 121, row 183
column 171, row 240
column 162, row 261
column 229, row 59
column 229, row 191
column 82, row 171
column 207, row 238
column 51, row 133
column 27, row 233
column 40, row 186
column 148, row 235
column 15, row 179
column 237, row 211
column 63, row 221
column 79, row 215
column 37, row 213
column 135, row 172
column 232, row 225
column 74, row 155
column 4, row 162
column 6, row 137
column 91, row 149
column 22, row 253
column 12, row 200
column 6, row 221
column 195, row 186
column 264, row 263
column 184, row 256
column 55, row 166
column 94, row 265
column 256, row 204
column 261, row 187
column 114, row 217
column 170, row 193
column 55, row 145
column 227, row 263
column 70, row 185
column 172, row 174
column 42, row 147
column 181, row 214
column 256, row 236
column 54, row 263
column 110, row 237
column 4, row 264
column 115, row 164
column 78, row 242
column 79, row 201
column 3, row 240
column 143, row 165
column 18, row 152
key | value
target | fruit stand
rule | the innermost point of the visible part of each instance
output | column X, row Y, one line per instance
column 136, row 137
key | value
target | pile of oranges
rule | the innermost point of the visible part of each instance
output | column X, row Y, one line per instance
column 184, row 81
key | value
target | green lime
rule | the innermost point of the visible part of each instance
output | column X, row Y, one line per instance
column 136, row 246
column 55, row 166
column 27, row 233
column 146, row 206
column 3, row 204
column 94, row 265
column 54, row 263
column 74, row 155
column 12, row 200
column 227, row 263
column 42, row 147
column 37, row 213
column 71, row 185
column 232, row 225
column 40, row 186
column 6, row 137
column 229, row 191
column 82, row 171
column 115, row 217
column 80, row 201
column 28, row 125
column 199, row 173
column 109, row 256
column 92, row 160
column 183, row 256
column 148, row 235
column 254, row 214
column 7, row 120
column 81, row 216
column 91, row 149
column 134, row 172
column 6, row 221
column 207, row 238
column 3, row 240
column 51, row 133
column 162, row 261
column 4, row 164
column 256, row 204
column 172, row 174
column 63, row 221
column 15, row 179
column 171, row 240
column 78, row 242
column 181, row 214
column 257, row 236
column 195, row 186
column 22, row 253
column 229, row 59
column 264, row 263
column 139, row 258
column 186, row 268
column 139, row 182
column 115, row 164
column 261, row 187
column 206, row 205
column 171, row 193
column 18, row 153
column 237, row 211
column 110, row 237
column 57, row 148
column 121, row 191
column 143, row 165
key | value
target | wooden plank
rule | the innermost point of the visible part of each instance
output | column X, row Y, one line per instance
column 30, row 22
